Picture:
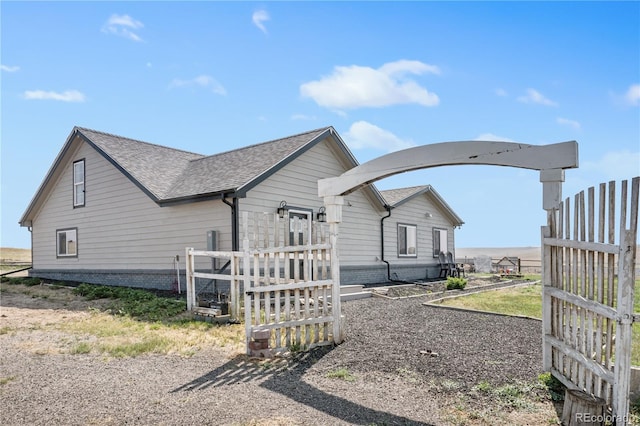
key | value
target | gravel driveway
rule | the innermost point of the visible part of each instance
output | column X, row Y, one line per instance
column 408, row 364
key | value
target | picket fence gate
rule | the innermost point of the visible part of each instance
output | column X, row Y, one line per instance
column 284, row 273
column 588, row 292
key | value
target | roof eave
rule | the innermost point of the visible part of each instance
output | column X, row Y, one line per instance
column 256, row 180
column 26, row 219
column 456, row 220
column 187, row 199
column 154, row 197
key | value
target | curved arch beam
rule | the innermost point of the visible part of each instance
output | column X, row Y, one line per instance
column 562, row 155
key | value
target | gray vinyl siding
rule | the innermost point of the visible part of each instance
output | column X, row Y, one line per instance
column 297, row 184
column 120, row 227
column 413, row 212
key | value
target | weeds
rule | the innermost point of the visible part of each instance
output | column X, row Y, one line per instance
column 81, row 348
column 136, row 303
column 341, row 373
column 5, row 380
column 512, row 396
column 29, row 282
column 553, row 386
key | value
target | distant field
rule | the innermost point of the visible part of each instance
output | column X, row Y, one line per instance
column 8, row 254
column 12, row 259
column 525, row 253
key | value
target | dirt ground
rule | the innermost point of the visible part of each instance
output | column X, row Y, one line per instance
column 407, row 364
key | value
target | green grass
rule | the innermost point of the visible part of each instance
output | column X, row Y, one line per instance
column 528, row 301
column 512, row 301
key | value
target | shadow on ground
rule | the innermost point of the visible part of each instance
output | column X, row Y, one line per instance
column 284, row 376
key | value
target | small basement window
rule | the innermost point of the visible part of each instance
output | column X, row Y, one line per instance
column 407, row 240
column 67, row 242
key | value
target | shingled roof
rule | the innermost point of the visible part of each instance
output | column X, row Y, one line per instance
column 169, row 174
column 154, row 167
column 399, row 196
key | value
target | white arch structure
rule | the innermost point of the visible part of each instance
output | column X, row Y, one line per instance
column 551, row 160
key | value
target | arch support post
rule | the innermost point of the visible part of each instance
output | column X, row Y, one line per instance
column 333, row 207
column 551, row 188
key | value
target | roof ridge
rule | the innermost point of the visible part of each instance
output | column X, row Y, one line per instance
column 137, row 140
column 261, row 143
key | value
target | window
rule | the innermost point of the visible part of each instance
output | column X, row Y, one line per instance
column 78, row 183
column 407, row 240
column 67, row 242
column 439, row 241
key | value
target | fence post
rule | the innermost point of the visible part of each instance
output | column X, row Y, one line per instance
column 235, row 297
column 623, row 327
column 551, row 180
column 246, row 273
column 333, row 205
column 547, row 311
column 191, row 281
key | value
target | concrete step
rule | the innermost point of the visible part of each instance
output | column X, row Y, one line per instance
column 348, row 289
column 355, row 296
column 351, row 292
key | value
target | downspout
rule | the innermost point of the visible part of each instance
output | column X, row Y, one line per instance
column 235, row 225
column 382, row 241
column 382, row 249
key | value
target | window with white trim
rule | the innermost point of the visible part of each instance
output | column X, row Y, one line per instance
column 78, row 183
column 67, row 242
column 439, row 241
column 407, row 240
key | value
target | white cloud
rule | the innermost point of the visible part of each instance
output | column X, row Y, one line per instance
column 205, row 81
column 8, row 68
column 501, row 92
column 356, row 86
column 566, row 122
column 535, row 97
column 614, row 165
column 362, row 135
column 633, row 95
column 259, row 17
column 67, row 96
column 490, row 137
column 123, row 26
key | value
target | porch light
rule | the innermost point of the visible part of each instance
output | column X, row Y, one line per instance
column 321, row 215
column 282, row 210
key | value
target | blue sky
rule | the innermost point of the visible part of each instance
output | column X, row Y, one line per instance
column 212, row 76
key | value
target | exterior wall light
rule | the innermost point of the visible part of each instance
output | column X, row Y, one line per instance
column 282, row 210
column 321, row 215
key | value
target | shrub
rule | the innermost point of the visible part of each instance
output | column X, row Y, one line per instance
column 456, row 283
column 29, row 282
column 137, row 303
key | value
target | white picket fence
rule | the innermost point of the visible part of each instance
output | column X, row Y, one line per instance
column 288, row 288
column 589, row 252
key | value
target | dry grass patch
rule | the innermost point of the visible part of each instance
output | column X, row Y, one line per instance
column 122, row 336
